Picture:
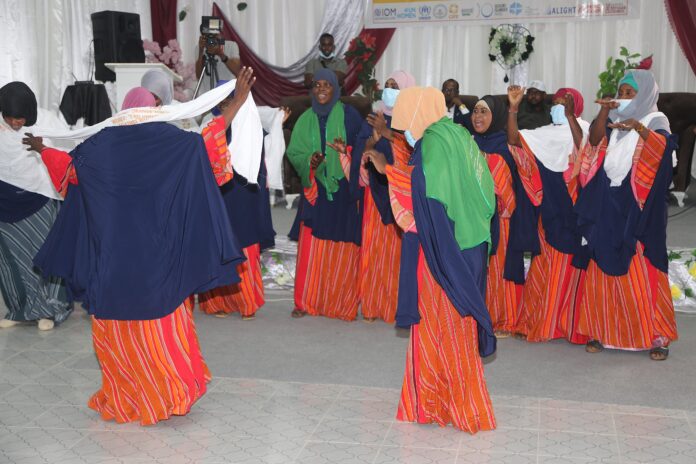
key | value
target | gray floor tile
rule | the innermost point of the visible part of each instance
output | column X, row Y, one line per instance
column 5, row 388
column 645, row 410
column 424, row 435
column 361, row 409
column 653, row 426
column 510, row 417
column 73, row 377
column 370, row 394
column 20, row 414
column 402, row 455
column 87, row 360
column 656, row 451
column 337, row 453
column 293, row 406
column 568, row 420
column 578, row 445
column 468, row 457
column 40, row 358
column 514, row 400
column 20, row 373
column 233, row 403
column 40, row 444
column 546, row 403
column 512, row 441
column 351, row 431
column 74, row 417
column 49, row 394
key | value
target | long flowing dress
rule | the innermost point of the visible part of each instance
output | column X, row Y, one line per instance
column 328, row 256
column 627, row 302
column 143, row 227
column 451, row 328
column 26, row 218
column 553, row 285
column 248, row 206
column 380, row 251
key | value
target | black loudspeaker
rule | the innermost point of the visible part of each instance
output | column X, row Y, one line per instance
column 116, row 40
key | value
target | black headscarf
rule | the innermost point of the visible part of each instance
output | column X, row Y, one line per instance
column 18, row 101
column 329, row 76
column 494, row 140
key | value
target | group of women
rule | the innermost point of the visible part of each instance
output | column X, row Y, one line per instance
column 412, row 218
column 405, row 216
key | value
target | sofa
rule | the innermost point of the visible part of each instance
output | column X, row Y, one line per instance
column 679, row 107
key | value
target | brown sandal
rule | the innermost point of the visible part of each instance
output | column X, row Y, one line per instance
column 593, row 346
column 659, row 353
column 297, row 313
column 249, row 317
column 369, row 320
column 502, row 334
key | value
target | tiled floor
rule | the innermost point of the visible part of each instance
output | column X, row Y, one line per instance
column 46, row 378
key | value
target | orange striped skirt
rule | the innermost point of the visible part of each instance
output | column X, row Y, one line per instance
column 502, row 296
column 326, row 279
column 151, row 369
column 550, row 297
column 380, row 257
column 631, row 312
column 246, row 297
column 443, row 381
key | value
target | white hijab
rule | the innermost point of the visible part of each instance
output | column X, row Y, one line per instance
column 553, row 144
column 245, row 147
column 24, row 169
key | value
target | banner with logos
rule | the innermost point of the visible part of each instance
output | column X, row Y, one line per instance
column 387, row 13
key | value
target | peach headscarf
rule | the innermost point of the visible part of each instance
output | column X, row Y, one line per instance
column 417, row 108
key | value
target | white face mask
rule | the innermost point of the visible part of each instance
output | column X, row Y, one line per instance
column 330, row 56
column 623, row 103
column 410, row 139
column 558, row 116
column 389, row 97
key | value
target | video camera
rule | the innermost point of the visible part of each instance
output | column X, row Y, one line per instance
column 211, row 26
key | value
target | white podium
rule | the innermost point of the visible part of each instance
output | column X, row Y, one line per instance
column 128, row 75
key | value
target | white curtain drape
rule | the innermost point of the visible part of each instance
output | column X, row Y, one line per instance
column 568, row 54
column 284, row 33
column 45, row 42
column 48, row 43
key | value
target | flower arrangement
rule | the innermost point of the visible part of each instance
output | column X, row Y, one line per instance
column 616, row 67
column 170, row 56
column 362, row 53
column 510, row 45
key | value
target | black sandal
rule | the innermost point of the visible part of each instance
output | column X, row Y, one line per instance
column 659, row 353
column 593, row 346
column 297, row 313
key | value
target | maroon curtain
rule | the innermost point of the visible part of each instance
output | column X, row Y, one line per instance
column 682, row 16
column 270, row 87
column 163, row 13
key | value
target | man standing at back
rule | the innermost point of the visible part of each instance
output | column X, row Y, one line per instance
column 327, row 59
column 534, row 112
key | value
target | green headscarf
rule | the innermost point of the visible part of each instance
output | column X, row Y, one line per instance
column 306, row 140
column 457, row 175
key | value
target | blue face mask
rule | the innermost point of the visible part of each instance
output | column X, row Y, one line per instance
column 389, row 97
column 623, row 103
column 558, row 116
column 410, row 139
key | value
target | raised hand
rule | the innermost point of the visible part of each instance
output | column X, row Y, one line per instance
column 338, row 144
column 245, row 81
column 607, row 103
column 286, row 113
column 569, row 105
column 378, row 122
column 628, row 124
column 378, row 160
column 515, row 94
column 34, row 143
column 316, row 159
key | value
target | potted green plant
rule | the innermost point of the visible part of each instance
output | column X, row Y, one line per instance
column 616, row 67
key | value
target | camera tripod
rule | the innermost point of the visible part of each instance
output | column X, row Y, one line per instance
column 209, row 69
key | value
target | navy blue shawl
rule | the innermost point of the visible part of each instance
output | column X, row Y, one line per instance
column 17, row 204
column 379, row 187
column 460, row 273
column 612, row 222
column 340, row 219
column 249, row 208
column 147, row 226
column 524, row 236
column 558, row 217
